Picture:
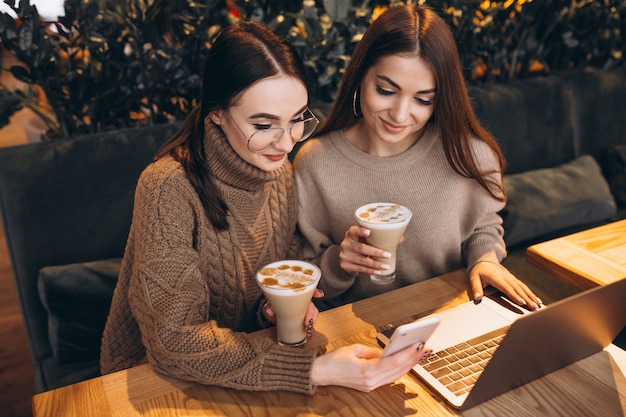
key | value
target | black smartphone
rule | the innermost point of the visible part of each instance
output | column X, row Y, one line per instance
column 410, row 334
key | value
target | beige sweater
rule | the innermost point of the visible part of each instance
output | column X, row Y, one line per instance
column 455, row 221
column 187, row 295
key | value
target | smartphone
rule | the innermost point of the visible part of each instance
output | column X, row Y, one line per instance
column 411, row 334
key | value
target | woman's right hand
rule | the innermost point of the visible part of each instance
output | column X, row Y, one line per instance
column 356, row 256
column 362, row 368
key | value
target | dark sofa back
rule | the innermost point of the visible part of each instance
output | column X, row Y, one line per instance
column 530, row 119
column 68, row 201
column 598, row 110
column 549, row 120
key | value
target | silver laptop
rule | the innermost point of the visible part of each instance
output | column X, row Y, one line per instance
column 486, row 349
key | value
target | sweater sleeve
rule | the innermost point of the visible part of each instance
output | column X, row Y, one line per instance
column 487, row 239
column 169, row 299
column 319, row 245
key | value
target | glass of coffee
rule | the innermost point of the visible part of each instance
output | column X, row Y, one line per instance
column 288, row 285
column 387, row 223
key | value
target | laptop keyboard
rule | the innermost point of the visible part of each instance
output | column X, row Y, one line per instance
column 459, row 366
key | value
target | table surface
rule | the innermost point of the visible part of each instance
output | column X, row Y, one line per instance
column 593, row 386
column 585, row 259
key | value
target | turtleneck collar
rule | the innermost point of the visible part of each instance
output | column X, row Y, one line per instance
column 228, row 167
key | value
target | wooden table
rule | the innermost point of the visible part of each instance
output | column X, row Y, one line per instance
column 593, row 386
column 586, row 259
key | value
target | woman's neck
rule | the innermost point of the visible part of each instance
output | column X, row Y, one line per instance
column 364, row 139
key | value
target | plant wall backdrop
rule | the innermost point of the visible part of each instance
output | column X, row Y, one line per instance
column 109, row 64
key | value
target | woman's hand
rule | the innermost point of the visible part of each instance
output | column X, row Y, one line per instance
column 356, row 256
column 362, row 368
column 495, row 274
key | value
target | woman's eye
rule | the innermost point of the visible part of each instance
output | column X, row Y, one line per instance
column 298, row 119
column 259, row 126
column 384, row 92
column 424, row 101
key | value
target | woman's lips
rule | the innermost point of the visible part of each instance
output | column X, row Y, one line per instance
column 275, row 158
column 393, row 128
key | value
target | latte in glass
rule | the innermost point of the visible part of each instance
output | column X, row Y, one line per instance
column 386, row 223
column 289, row 285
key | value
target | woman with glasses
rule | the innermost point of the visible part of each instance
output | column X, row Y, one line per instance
column 219, row 202
column 402, row 131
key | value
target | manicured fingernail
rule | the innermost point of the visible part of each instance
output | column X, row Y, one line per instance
column 385, row 266
column 477, row 298
column 425, row 356
column 522, row 301
column 386, row 255
column 309, row 329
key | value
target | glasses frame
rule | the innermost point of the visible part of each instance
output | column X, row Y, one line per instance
column 284, row 129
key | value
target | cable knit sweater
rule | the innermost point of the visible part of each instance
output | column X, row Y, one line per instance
column 187, row 295
column 455, row 221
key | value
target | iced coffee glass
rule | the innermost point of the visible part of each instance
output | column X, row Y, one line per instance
column 288, row 285
column 387, row 223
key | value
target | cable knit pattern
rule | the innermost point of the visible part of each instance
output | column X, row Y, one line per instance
column 187, row 296
column 455, row 221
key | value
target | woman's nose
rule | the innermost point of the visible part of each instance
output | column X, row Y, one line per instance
column 285, row 142
column 400, row 111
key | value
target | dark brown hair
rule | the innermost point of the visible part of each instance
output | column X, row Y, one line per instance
column 241, row 55
column 418, row 30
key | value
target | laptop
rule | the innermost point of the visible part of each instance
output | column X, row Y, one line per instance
column 483, row 350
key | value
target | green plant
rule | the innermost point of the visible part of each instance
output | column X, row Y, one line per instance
column 500, row 40
column 108, row 64
column 497, row 40
column 323, row 33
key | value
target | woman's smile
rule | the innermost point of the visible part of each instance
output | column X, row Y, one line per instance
column 392, row 127
column 275, row 158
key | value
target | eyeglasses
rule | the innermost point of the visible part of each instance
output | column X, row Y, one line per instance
column 265, row 136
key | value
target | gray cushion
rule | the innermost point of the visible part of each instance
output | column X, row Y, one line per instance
column 77, row 298
column 546, row 200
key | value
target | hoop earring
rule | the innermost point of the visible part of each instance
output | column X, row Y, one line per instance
column 356, row 112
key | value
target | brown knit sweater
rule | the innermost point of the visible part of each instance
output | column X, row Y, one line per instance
column 187, row 295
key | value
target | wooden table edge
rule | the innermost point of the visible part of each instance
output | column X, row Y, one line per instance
column 102, row 403
column 581, row 280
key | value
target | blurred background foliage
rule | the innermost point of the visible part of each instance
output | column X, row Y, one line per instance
column 497, row 40
column 109, row 64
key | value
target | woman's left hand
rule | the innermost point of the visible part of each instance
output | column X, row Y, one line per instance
column 491, row 273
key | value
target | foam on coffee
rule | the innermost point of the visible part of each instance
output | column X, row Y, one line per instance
column 284, row 275
column 383, row 213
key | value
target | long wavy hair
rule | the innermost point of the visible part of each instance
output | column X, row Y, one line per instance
column 241, row 55
column 419, row 31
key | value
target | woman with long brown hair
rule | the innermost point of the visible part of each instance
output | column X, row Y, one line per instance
column 402, row 130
